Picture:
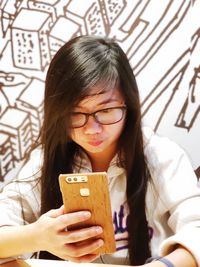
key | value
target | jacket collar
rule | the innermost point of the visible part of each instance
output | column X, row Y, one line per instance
column 82, row 164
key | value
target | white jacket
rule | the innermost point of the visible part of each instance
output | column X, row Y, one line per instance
column 173, row 198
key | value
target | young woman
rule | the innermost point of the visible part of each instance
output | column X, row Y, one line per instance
column 92, row 122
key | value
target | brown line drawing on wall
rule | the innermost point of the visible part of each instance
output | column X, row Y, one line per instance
column 166, row 32
column 143, row 28
column 30, row 44
column 159, row 89
column 135, row 16
column 192, row 100
column 191, row 106
column 8, row 10
column 197, row 171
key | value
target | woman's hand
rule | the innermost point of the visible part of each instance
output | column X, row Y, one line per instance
column 52, row 235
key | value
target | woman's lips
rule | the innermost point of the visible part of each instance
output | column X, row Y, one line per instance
column 95, row 142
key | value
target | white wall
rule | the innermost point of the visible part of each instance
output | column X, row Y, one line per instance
column 161, row 39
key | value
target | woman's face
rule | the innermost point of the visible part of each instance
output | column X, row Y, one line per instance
column 95, row 137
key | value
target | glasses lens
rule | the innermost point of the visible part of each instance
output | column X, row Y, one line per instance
column 109, row 115
column 77, row 120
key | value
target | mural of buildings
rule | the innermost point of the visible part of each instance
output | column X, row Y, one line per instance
column 30, row 45
column 113, row 8
column 31, row 101
column 91, row 16
column 62, row 30
column 17, row 124
column 191, row 106
column 7, row 159
column 8, row 10
column 44, row 6
column 161, row 39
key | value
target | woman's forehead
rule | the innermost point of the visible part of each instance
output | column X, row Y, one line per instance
column 101, row 96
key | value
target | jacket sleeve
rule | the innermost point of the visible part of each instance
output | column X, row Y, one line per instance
column 178, row 195
column 20, row 198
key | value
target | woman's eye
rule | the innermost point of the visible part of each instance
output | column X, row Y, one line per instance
column 77, row 115
column 106, row 110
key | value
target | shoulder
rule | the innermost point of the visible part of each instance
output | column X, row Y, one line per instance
column 159, row 147
column 165, row 158
column 32, row 167
column 26, row 182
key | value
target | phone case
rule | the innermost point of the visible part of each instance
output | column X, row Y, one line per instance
column 89, row 191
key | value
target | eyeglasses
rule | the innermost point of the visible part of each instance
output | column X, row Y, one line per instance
column 104, row 116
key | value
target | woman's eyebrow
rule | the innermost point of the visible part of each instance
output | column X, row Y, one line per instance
column 107, row 101
column 103, row 102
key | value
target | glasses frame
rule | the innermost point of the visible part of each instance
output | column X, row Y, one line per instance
column 87, row 115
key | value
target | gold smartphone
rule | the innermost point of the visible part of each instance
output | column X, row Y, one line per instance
column 89, row 191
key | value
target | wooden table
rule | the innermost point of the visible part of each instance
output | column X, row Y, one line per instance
column 51, row 263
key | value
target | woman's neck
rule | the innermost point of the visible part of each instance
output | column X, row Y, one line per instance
column 101, row 161
column 99, row 166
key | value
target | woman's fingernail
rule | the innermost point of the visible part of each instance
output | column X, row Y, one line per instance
column 98, row 230
column 86, row 214
column 100, row 242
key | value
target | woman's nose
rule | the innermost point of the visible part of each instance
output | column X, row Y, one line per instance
column 92, row 126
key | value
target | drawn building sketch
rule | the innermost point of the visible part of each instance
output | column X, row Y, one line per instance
column 8, row 11
column 7, row 158
column 191, row 107
column 3, row 100
column 45, row 6
column 17, row 125
column 160, row 38
column 30, row 45
column 91, row 17
column 113, row 8
column 31, row 101
column 63, row 30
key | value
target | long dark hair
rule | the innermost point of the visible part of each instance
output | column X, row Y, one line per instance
column 81, row 64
